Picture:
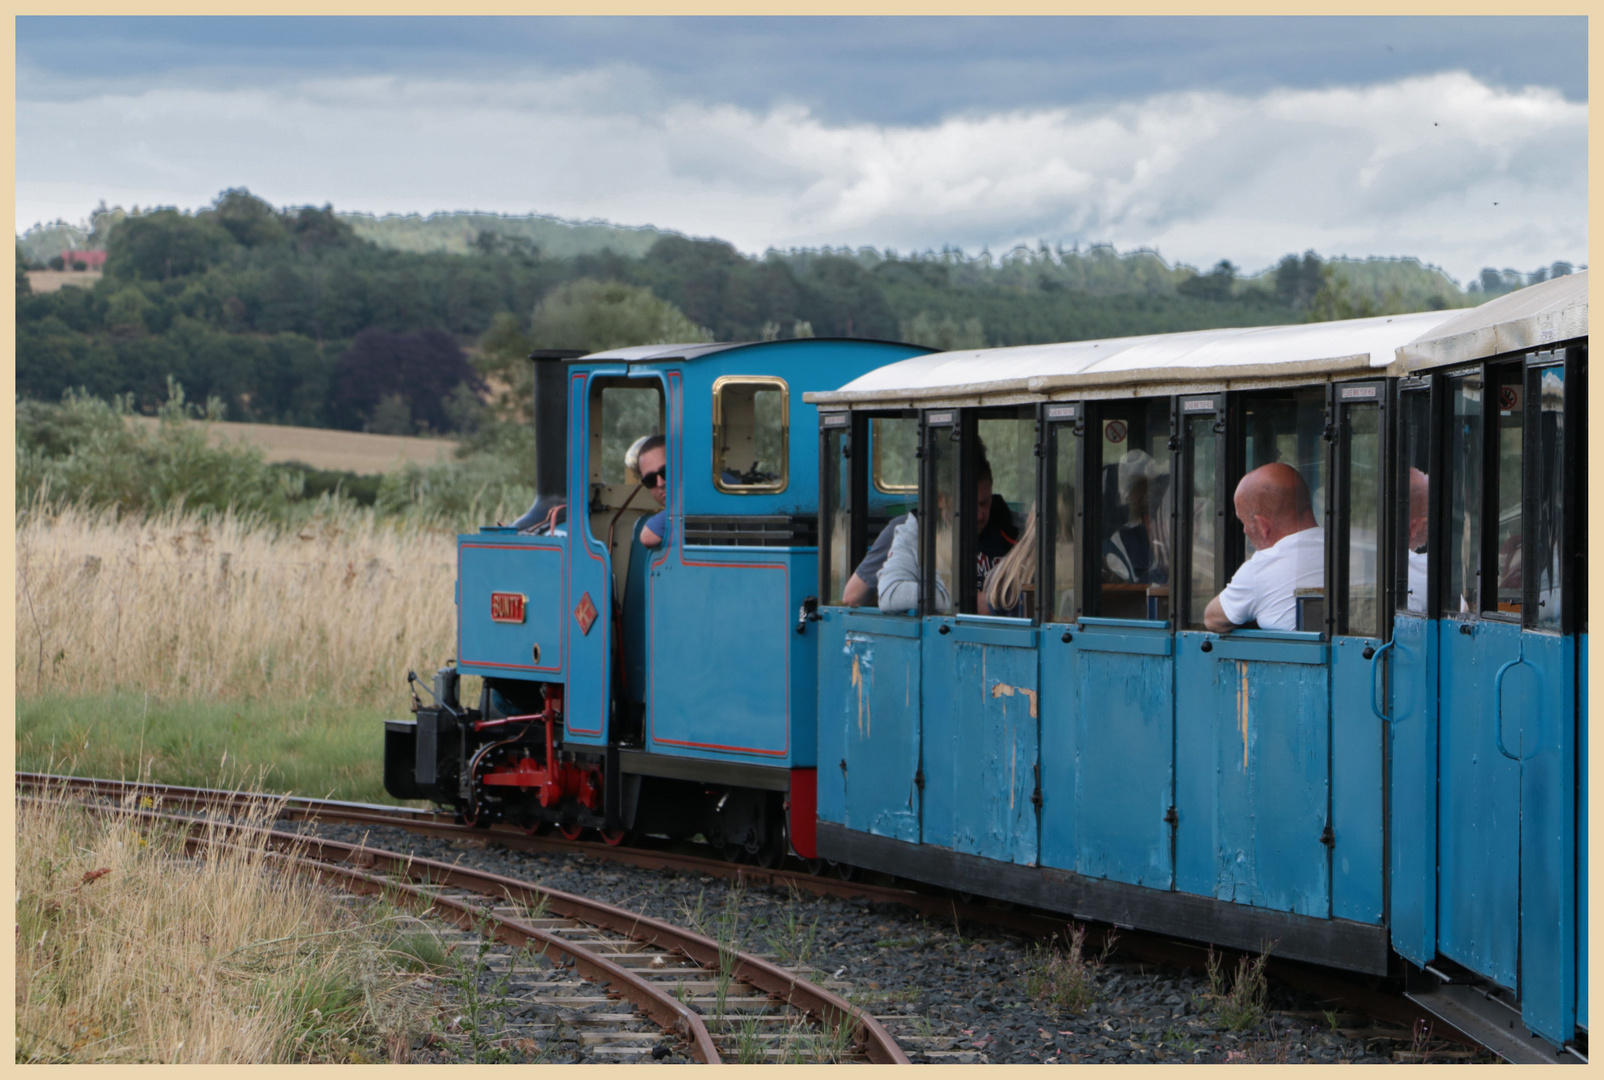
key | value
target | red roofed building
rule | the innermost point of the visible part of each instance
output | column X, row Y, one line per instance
column 92, row 260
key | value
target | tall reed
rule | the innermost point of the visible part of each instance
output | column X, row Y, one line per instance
column 127, row 950
column 190, row 607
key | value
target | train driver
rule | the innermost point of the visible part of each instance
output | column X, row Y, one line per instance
column 1272, row 502
column 653, row 465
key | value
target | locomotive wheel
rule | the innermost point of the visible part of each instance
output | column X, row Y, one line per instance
column 614, row 837
column 571, row 831
column 537, row 827
column 815, row 866
column 844, row 871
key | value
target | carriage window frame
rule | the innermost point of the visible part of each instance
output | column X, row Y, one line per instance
column 969, row 464
column 1569, row 488
column 843, row 426
column 1346, row 397
column 1058, row 420
column 878, row 451
column 1433, row 391
column 1093, row 465
column 938, row 425
column 721, row 386
column 1210, row 409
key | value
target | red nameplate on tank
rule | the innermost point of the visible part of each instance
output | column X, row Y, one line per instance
column 507, row 607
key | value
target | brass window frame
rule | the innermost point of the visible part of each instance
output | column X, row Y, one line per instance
column 766, row 381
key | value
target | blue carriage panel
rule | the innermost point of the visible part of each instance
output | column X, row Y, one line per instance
column 1408, row 664
column 511, row 618
column 1479, row 802
column 979, row 739
column 1539, row 727
column 1109, row 689
column 720, row 677
column 877, row 713
column 837, row 699
column 1358, row 742
column 1256, row 799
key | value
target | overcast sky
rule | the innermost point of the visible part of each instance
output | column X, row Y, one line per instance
column 1462, row 141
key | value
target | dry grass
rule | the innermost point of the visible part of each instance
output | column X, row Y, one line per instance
column 184, row 609
column 325, row 448
column 129, row 951
column 43, row 281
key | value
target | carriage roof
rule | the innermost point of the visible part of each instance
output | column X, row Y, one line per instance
column 1528, row 318
column 1197, row 359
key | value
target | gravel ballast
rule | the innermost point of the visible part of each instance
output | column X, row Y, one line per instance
column 959, row 992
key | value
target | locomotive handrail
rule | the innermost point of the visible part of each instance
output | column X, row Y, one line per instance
column 1498, row 702
column 1375, row 672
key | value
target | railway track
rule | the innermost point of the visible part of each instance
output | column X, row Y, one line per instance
column 1347, row 993
column 719, row 1003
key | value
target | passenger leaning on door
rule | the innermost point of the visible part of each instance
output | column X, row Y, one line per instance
column 1272, row 502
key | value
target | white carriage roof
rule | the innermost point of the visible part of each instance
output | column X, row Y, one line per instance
column 1528, row 318
column 1194, row 358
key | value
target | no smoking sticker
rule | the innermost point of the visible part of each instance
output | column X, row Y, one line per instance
column 1114, row 431
column 1508, row 397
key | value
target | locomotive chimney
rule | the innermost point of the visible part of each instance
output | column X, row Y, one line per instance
column 550, row 411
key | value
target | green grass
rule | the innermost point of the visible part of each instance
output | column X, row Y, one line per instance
column 314, row 747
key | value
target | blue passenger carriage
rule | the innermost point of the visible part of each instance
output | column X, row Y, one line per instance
column 1096, row 749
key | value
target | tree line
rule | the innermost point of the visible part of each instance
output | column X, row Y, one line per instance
column 289, row 316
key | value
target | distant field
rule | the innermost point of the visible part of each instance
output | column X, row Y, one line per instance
column 43, row 281
column 321, row 448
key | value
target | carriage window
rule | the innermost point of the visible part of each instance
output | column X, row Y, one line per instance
column 1549, row 447
column 836, row 510
column 1066, row 462
column 1414, row 498
column 1286, row 427
column 1361, row 473
column 1203, row 468
column 1008, row 447
column 1134, row 501
column 751, row 434
column 944, row 454
column 1507, row 389
column 1462, row 536
column 896, row 464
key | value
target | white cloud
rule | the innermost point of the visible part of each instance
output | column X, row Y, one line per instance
column 1406, row 168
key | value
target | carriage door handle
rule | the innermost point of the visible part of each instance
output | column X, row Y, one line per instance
column 1375, row 680
column 1498, row 701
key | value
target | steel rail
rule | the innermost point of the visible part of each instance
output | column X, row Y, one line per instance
column 352, row 863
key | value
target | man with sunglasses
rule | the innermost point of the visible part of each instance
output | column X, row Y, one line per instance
column 653, row 464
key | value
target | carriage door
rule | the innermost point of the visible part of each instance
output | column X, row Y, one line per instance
column 980, row 710
column 1409, row 662
column 1108, row 768
column 868, row 661
column 1254, row 800
column 1506, row 811
column 1356, row 616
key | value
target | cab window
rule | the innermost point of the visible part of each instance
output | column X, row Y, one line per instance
column 751, row 434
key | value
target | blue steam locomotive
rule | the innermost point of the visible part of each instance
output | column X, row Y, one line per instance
column 1391, row 781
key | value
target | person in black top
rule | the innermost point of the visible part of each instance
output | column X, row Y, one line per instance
column 994, row 522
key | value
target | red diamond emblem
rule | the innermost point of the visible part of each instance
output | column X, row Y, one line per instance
column 585, row 613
